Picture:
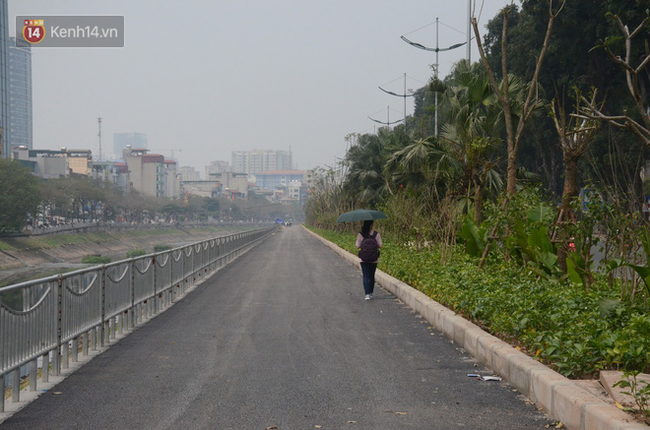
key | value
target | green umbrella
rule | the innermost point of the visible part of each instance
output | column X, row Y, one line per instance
column 360, row 215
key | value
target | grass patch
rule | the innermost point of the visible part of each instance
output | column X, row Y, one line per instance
column 132, row 253
column 558, row 323
column 63, row 239
column 95, row 259
column 98, row 237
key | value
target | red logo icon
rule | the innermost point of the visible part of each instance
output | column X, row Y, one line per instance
column 34, row 30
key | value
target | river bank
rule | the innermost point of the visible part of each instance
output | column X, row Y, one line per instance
column 31, row 257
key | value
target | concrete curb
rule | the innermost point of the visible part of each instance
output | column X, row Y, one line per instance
column 557, row 395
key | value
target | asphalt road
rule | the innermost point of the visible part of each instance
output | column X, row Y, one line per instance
column 282, row 338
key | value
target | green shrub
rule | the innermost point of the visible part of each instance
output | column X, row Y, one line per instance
column 95, row 259
column 135, row 253
column 161, row 248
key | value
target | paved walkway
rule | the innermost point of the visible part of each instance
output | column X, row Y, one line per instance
column 282, row 338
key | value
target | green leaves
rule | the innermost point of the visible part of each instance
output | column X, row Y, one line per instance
column 475, row 237
column 642, row 271
column 540, row 214
column 19, row 195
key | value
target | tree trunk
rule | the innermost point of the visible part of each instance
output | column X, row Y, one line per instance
column 512, row 169
column 570, row 190
column 568, row 194
column 478, row 205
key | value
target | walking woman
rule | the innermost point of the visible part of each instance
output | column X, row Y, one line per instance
column 368, row 242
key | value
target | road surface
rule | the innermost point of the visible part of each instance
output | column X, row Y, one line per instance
column 282, row 338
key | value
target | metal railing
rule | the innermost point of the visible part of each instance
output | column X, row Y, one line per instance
column 49, row 320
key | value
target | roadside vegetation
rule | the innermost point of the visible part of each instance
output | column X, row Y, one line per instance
column 524, row 211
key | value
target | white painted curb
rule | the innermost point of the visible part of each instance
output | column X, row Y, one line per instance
column 557, row 395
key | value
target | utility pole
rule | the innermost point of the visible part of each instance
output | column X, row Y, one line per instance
column 387, row 123
column 469, row 31
column 435, row 70
column 405, row 95
column 99, row 136
column 435, row 74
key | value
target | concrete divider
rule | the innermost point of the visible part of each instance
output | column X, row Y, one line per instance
column 557, row 395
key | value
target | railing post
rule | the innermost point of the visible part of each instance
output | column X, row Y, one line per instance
column 103, row 304
column 33, row 374
column 84, row 345
column 93, row 337
column 155, row 285
column 56, row 358
column 75, row 349
column 131, row 309
column 65, row 355
column 2, row 385
column 15, row 385
column 45, row 372
column 193, row 266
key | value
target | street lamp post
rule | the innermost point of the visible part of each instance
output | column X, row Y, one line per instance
column 387, row 122
column 437, row 49
column 405, row 95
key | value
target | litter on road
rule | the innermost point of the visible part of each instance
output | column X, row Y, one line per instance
column 484, row 378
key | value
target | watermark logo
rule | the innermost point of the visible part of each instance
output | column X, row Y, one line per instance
column 71, row 31
column 33, row 30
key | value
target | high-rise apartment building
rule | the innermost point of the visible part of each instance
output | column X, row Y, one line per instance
column 257, row 161
column 20, row 96
column 133, row 139
column 4, row 79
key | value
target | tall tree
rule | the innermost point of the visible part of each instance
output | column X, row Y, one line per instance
column 568, row 66
column 575, row 137
column 514, row 125
column 637, row 77
column 19, row 195
column 472, row 132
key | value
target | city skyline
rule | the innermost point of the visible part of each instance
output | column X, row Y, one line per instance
column 277, row 75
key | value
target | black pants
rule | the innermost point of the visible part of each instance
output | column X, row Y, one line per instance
column 368, row 270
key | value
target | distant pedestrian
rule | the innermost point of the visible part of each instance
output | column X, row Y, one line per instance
column 368, row 242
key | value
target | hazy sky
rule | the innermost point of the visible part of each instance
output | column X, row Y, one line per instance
column 206, row 77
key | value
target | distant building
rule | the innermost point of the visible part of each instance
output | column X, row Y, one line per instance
column 20, row 96
column 122, row 140
column 49, row 163
column 217, row 167
column 4, row 80
column 189, row 173
column 209, row 189
column 79, row 160
column 293, row 190
column 172, row 180
column 146, row 171
column 234, row 185
column 115, row 173
column 256, row 161
column 276, row 179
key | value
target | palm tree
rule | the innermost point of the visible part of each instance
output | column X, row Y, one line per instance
column 471, row 134
column 368, row 177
